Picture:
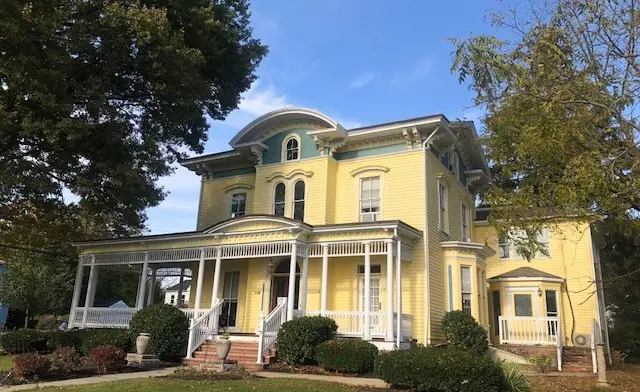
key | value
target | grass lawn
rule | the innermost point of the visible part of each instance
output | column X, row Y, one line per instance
column 6, row 363
column 173, row 385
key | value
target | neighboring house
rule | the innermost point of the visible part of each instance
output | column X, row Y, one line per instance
column 360, row 225
column 182, row 291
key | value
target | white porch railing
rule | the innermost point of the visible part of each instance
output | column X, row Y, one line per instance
column 269, row 328
column 115, row 317
column 528, row 330
column 351, row 323
column 203, row 327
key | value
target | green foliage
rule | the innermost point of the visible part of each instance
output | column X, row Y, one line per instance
column 69, row 338
column 116, row 92
column 299, row 338
column 47, row 322
column 168, row 327
column 426, row 369
column 543, row 363
column 107, row 358
column 65, row 359
column 110, row 337
column 23, row 341
column 515, row 378
column 31, row 365
column 463, row 332
column 347, row 355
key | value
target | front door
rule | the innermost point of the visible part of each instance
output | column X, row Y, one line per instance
column 377, row 325
column 230, row 292
column 497, row 311
column 280, row 288
column 552, row 310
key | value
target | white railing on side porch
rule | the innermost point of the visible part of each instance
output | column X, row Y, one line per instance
column 528, row 330
column 269, row 328
column 116, row 317
column 351, row 323
column 203, row 327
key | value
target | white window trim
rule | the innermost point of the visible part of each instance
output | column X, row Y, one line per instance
column 273, row 197
column 470, row 292
column 359, row 179
column 283, row 152
column 513, row 255
column 443, row 221
column 246, row 199
column 364, row 172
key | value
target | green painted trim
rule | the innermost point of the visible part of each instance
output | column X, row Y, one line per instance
column 273, row 154
column 369, row 152
column 234, row 172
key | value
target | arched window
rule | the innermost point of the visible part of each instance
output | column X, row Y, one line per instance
column 298, row 200
column 292, row 149
column 278, row 200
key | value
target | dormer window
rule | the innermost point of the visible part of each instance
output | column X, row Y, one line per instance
column 291, row 148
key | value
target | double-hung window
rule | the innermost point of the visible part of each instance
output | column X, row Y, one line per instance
column 298, row 200
column 507, row 247
column 238, row 204
column 279, row 200
column 443, row 197
column 369, row 199
column 465, row 280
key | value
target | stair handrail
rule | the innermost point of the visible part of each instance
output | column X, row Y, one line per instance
column 559, row 343
column 270, row 326
column 202, row 327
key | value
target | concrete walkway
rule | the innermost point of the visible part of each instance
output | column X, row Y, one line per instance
column 92, row 380
column 356, row 381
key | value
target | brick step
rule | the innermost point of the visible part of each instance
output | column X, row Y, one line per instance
column 233, row 350
column 576, row 369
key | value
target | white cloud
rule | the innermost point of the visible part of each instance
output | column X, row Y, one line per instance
column 418, row 71
column 256, row 102
column 362, row 80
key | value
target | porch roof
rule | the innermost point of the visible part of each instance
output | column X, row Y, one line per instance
column 525, row 273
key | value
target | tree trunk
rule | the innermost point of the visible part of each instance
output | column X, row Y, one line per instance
column 26, row 318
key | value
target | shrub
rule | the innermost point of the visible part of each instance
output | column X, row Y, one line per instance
column 515, row 379
column 107, row 358
column 168, row 327
column 47, row 323
column 65, row 359
column 31, row 365
column 23, row 341
column 463, row 332
column 59, row 339
column 543, row 363
column 436, row 369
column 618, row 357
column 347, row 355
column 105, row 337
column 299, row 338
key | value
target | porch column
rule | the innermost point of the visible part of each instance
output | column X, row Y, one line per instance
column 199, row 285
column 367, row 291
column 389, row 337
column 399, row 292
column 87, row 299
column 303, row 284
column 180, row 283
column 142, row 286
column 216, row 278
column 152, row 287
column 325, row 277
column 76, row 293
column 291, row 295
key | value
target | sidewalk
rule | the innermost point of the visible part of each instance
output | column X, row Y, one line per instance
column 356, row 381
column 91, row 380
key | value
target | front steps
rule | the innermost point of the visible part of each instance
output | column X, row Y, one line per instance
column 577, row 360
column 244, row 352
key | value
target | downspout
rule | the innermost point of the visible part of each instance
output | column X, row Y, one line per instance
column 427, row 286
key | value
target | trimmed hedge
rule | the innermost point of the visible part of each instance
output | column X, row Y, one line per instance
column 463, row 332
column 23, row 341
column 62, row 339
column 435, row 369
column 299, row 338
column 168, row 327
column 347, row 355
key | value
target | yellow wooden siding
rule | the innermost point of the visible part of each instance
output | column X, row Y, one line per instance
column 570, row 258
column 215, row 203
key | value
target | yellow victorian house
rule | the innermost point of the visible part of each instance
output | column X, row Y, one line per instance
column 374, row 227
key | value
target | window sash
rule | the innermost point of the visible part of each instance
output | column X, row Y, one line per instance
column 238, row 204
column 465, row 223
column 523, row 305
column 508, row 249
column 369, row 199
column 292, row 149
column 466, row 288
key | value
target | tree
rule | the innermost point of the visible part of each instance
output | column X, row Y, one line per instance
column 101, row 98
column 562, row 126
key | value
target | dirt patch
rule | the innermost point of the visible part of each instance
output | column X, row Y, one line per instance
column 623, row 378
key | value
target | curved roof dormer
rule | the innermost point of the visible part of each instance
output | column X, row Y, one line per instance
column 256, row 130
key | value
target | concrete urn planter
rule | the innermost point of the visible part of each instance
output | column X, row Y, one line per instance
column 223, row 346
column 142, row 341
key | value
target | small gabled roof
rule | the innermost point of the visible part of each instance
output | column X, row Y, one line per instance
column 525, row 273
column 186, row 284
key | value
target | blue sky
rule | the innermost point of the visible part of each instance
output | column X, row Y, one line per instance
column 361, row 62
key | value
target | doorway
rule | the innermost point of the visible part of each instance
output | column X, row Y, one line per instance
column 280, row 283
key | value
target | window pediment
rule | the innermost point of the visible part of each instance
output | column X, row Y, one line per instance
column 237, row 187
column 369, row 168
column 290, row 175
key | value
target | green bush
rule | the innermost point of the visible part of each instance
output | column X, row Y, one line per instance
column 47, row 323
column 625, row 337
column 31, row 365
column 168, row 327
column 60, row 339
column 515, row 378
column 347, row 355
column 463, row 332
column 23, row 341
column 435, row 369
column 543, row 363
column 105, row 337
column 299, row 338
